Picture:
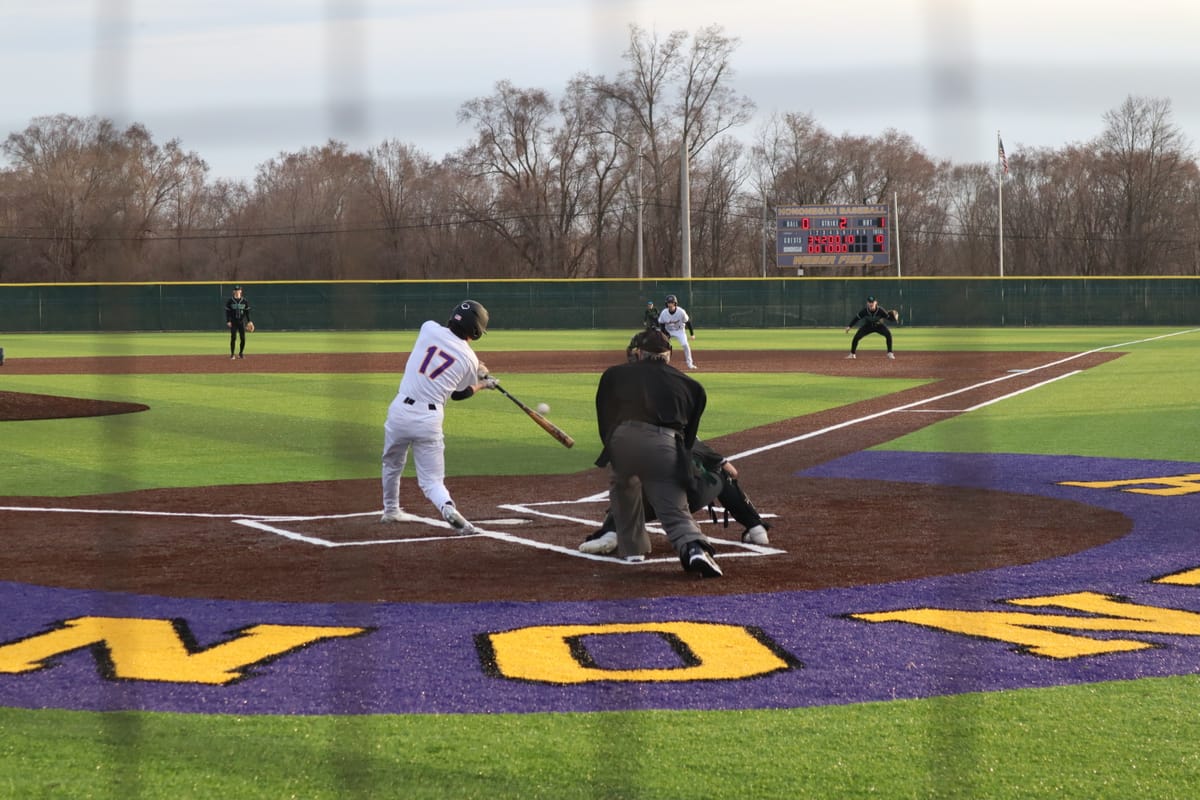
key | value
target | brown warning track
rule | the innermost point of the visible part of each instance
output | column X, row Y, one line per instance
column 834, row 532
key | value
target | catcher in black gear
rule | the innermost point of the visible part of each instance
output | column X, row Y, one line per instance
column 873, row 318
column 713, row 479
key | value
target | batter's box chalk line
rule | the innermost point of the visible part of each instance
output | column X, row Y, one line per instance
column 277, row 525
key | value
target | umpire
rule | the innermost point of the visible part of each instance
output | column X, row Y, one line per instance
column 872, row 318
column 237, row 319
column 648, row 414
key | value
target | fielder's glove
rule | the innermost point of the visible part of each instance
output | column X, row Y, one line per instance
column 249, row 327
column 894, row 315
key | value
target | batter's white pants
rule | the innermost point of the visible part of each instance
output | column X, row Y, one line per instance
column 419, row 428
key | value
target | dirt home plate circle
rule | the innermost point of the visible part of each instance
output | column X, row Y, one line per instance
column 302, row 581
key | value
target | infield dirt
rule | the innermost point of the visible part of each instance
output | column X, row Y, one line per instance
column 830, row 532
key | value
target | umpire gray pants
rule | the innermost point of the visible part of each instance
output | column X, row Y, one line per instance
column 645, row 459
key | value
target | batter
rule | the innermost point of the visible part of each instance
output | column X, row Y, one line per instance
column 442, row 366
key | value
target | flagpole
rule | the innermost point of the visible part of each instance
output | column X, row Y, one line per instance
column 1001, row 168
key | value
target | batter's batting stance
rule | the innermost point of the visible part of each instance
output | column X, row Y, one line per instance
column 442, row 365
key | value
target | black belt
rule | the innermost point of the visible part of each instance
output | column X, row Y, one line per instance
column 663, row 429
column 408, row 401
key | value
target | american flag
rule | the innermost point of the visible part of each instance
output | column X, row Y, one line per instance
column 1003, row 158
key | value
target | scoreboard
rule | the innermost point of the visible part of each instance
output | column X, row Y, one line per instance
column 832, row 236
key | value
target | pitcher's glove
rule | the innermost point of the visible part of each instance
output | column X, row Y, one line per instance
column 249, row 327
column 894, row 315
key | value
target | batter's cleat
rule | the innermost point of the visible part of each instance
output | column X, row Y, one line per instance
column 232, row 357
column 457, row 520
column 392, row 516
column 697, row 559
column 600, row 543
column 892, row 356
column 852, row 356
column 756, row 535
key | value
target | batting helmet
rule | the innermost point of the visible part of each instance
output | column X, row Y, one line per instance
column 671, row 299
column 468, row 320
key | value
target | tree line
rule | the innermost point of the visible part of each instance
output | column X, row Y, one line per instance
column 582, row 184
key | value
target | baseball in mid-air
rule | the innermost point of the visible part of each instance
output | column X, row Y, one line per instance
column 543, row 408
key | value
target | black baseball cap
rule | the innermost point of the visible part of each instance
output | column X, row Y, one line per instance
column 870, row 298
column 237, row 288
column 655, row 342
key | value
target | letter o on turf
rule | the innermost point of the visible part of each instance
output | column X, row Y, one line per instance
column 546, row 654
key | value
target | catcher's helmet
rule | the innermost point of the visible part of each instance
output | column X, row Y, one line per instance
column 671, row 299
column 468, row 320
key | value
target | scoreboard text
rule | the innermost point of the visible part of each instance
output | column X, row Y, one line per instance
column 832, row 236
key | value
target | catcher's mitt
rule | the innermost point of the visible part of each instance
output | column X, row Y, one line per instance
column 894, row 315
column 249, row 327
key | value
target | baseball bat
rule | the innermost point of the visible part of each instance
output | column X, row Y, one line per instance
column 545, row 424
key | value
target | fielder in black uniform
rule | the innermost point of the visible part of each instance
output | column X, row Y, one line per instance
column 237, row 317
column 872, row 318
column 650, row 316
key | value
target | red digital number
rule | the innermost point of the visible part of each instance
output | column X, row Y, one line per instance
column 879, row 238
column 842, row 222
column 804, row 223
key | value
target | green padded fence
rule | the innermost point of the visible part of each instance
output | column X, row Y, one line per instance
column 570, row 304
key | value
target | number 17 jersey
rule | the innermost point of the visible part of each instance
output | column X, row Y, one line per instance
column 440, row 363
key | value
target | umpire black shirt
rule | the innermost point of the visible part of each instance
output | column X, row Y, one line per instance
column 648, row 391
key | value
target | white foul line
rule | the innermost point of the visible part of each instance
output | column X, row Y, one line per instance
column 907, row 406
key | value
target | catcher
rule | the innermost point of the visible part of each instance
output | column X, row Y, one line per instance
column 873, row 318
column 713, row 479
column 237, row 319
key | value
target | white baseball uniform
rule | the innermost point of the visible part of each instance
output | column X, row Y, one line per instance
column 675, row 324
column 440, row 364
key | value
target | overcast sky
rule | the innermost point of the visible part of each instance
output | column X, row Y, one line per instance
column 240, row 81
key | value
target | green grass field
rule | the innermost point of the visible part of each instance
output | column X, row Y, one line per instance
column 1133, row 739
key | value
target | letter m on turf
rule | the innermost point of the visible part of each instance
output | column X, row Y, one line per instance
column 160, row 649
column 1049, row 635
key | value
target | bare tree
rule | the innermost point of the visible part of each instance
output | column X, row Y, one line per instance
column 311, row 204
column 724, row 232
column 67, row 176
column 532, row 161
column 398, row 185
column 1146, row 171
column 674, row 95
column 152, row 182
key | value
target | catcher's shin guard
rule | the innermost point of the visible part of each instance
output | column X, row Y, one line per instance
column 738, row 505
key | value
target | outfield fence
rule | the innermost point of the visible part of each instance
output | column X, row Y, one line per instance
column 582, row 304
